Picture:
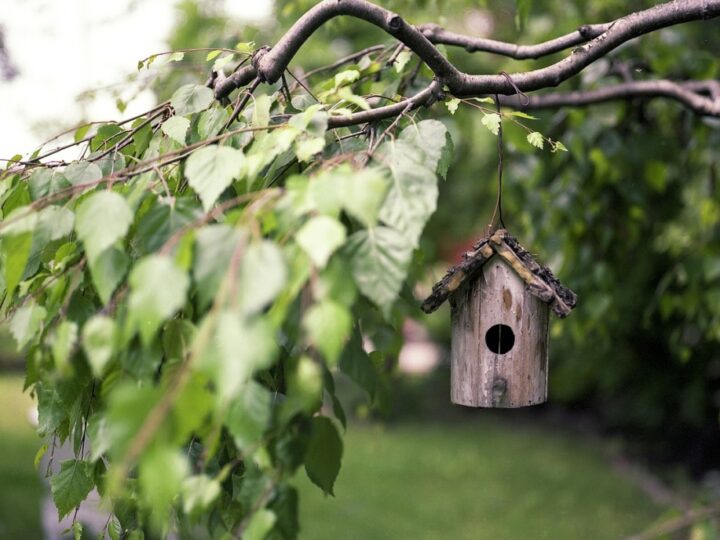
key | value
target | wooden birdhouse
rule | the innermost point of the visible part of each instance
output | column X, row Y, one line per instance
column 500, row 298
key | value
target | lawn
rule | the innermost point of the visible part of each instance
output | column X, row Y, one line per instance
column 21, row 487
column 477, row 479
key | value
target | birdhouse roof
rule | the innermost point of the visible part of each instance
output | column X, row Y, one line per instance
column 539, row 280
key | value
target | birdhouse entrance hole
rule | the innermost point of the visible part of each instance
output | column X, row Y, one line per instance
column 500, row 338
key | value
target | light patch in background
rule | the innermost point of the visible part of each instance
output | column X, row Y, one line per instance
column 256, row 11
column 65, row 47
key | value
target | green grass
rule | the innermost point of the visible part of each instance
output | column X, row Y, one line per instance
column 478, row 480
column 20, row 486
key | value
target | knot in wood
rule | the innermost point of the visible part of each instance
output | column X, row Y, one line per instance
column 394, row 22
column 255, row 61
column 585, row 30
column 499, row 388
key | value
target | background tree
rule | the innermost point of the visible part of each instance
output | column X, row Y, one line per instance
column 185, row 290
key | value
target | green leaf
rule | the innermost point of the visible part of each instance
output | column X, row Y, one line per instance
column 401, row 61
column 101, row 220
column 52, row 411
column 211, row 170
column 214, row 248
column 106, row 137
column 249, row 415
column 347, row 94
column 222, row 62
column 520, row 114
column 98, row 341
column 112, row 162
column 452, row 105
column 261, row 113
column 191, row 98
column 81, row 132
column 328, row 324
column 212, row 121
column 332, row 283
column 245, row 47
column 306, row 149
column 39, row 455
column 356, row 364
column 536, row 139
column 414, row 159
column 212, row 54
column 492, row 122
column 82, row 172
column 260, row 524
column 161, row 474
column 141, row 138
column 157, row 290
column 484, row 100
column 14, row 256
column 379, row 259
column 346, row 77
column 324, row 454
column 176, row 128
column 44, row 182
column 240, row 347
column 163, row 220
column 175, row 56
column 108, row 270
column 285, row 506
column 63, row 343
column 263, row 274
column 26, row 322
column 558, row 146
column 115, row 531
column 312, row 120
column 71, row 485
column 127, row 409
column 305, row 388
column 199, row 492
column 320, row 237
column 362, row 193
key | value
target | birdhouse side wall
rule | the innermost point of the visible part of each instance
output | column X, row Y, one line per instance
column 481, row 377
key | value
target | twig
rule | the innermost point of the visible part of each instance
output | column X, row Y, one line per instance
column 677, row 524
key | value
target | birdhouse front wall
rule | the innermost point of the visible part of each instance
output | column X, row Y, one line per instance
column 499, row 352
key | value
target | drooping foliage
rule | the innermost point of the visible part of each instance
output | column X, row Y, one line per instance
column 185, row 290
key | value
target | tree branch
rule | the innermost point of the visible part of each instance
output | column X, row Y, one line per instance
column 438, row 35
column 425, row 97
column 620, row 31
column 269, row 64
column 689, row 94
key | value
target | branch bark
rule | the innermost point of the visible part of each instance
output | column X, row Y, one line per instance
column 689, row 94
column 438, row 35
column 268, row 64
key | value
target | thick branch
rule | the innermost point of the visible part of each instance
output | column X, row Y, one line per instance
column 689, row 94
column 423, row 98
column 269, row 65
column 620, row 31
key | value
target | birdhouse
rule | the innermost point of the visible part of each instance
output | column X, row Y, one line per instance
column 500, row 299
